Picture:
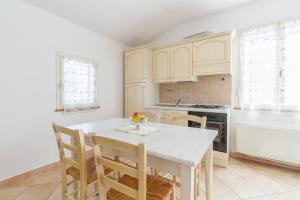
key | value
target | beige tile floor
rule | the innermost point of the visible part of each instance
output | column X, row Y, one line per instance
column 241, row 180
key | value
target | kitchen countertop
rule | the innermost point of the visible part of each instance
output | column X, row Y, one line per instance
column 187, row 108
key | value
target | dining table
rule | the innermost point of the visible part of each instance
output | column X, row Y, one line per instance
column 172, row 149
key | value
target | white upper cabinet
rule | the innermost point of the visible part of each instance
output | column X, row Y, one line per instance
column 212, row 56
column 161, row 65
column 135, row 66
column 211, row 51
column 181, row 63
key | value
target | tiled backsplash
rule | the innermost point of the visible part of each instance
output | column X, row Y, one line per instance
column 214, row 89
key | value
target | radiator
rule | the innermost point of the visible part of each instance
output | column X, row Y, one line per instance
column 270, row 143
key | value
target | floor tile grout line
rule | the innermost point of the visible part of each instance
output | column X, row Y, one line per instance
column 259, row 174
column 270, row 195
column 58, row 185
column 21, row 192
column 19, row 186
column 28, row 186
column 230, row 189
column 259, row 196
column 44, row 183
column 226, row 187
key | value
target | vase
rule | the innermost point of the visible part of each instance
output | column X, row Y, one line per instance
column 138, row 126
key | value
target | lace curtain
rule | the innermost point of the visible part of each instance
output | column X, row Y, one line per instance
column 290, row 67
column 270, row 70
column 79, row 80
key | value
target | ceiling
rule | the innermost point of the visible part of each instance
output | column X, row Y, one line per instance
column 133, row 22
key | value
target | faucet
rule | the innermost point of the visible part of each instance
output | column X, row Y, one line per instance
column 178, row 102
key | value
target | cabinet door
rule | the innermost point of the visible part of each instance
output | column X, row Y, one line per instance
column 161, row 65
column 181, row 63
column 134, row 98
column 211, row 51
column 135, row 66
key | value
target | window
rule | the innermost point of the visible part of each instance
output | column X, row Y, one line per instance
column 270, row 69
column 77, row 84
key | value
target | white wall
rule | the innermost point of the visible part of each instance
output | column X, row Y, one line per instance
column 29, row 38
column 248, row 15
column 252, row 14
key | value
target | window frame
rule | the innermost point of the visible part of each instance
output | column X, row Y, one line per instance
column 279, row 68
column 60, row 86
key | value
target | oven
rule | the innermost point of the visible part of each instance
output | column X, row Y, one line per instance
column 215, row 121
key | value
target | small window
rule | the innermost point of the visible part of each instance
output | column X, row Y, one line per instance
column 76, row 84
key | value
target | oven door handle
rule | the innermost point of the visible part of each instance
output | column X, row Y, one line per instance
column 215, row 122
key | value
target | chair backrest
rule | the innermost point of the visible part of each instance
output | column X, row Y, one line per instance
column 138, row 152
column 76, row 146
column 193, row 118
column 152, row 117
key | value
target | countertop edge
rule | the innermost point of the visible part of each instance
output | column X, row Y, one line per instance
column 226, row 110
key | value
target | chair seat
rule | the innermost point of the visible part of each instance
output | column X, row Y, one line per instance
column 158, row 188
column 91, row 171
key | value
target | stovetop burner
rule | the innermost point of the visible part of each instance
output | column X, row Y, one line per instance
column 209, row 106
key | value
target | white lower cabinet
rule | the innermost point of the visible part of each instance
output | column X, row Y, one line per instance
column 134, row 98
column 166, row 116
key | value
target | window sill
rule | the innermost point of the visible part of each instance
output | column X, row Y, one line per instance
column 266, row 111
column 83, row 110
column 59, row 110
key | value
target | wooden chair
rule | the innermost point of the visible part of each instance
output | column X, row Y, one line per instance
column 78, row 167
column 135, row 183
column 193, row 118
column 202, row 122
column 152, row 117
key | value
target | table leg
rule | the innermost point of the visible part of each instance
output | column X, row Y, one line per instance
column 187, row 182
column 209, row 172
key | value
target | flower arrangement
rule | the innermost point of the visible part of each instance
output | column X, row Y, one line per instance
column 138, row 118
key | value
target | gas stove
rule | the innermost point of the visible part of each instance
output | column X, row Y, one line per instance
column 208, row 106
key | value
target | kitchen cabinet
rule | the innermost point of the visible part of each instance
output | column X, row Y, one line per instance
column 134, row 98
column 212, row 56
column 161, row 65
column 193, row 57
column 181, row 63
column 173, row 64
column 136, row 65
column 140, row 91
